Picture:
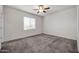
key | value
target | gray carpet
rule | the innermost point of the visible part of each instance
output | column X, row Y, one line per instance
column 41, row 43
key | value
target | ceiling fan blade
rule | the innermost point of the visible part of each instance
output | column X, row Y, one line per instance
column 44, row 11
column 47, row 8
column 37, row 11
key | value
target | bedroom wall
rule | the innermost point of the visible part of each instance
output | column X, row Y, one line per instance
column 61, row 23
column 14, row 24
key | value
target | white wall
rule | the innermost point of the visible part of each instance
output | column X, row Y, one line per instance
column 62, row 23
column 14, row 24
column 1, row 24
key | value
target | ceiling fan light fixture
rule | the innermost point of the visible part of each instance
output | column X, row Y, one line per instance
column 42, row 8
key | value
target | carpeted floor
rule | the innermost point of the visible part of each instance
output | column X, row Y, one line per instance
column 41, row 43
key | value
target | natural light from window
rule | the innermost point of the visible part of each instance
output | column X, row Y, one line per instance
column 29, row 23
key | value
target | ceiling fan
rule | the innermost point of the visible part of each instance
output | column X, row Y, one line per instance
column 42, row 9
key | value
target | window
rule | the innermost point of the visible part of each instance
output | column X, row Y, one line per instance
column 29, row 23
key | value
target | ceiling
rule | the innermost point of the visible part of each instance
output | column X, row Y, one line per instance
column 53, row 8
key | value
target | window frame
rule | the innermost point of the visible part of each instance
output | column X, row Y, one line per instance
column 33, row 24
